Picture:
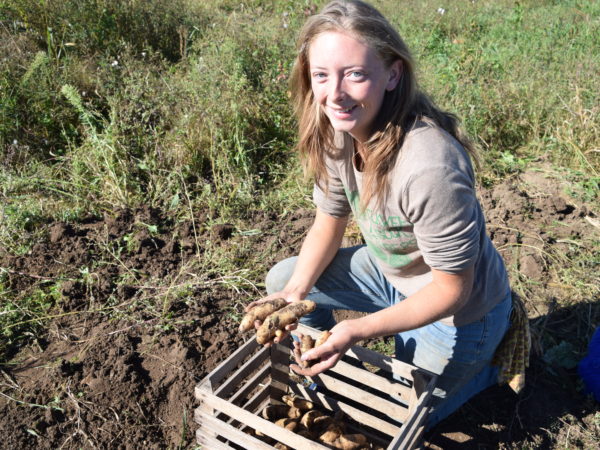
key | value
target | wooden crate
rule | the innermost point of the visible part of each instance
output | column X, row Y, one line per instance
column 390, row 413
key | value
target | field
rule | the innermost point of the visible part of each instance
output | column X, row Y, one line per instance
column 148, row 181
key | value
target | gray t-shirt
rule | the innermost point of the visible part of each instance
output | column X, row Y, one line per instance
column 431, row 218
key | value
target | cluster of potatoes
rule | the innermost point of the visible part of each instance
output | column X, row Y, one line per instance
column 300, row 416
column 275, row 315
column 297, row 414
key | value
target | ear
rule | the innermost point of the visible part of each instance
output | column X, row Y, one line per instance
column 395, row 75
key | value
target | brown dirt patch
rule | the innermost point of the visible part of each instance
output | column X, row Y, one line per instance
column 140, row 321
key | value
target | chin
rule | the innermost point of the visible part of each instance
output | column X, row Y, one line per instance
column 342, row 127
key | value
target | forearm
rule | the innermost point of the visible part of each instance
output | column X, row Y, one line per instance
column 318, row 250
column 442, row 297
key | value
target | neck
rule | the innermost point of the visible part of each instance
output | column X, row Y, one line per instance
column 360, row 155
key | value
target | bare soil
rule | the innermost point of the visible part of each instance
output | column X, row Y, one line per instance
column 113, row 372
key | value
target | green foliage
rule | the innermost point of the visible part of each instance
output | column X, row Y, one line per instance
column 562, row 355
column 33, row 120
column 181, row 106
column 521, row 76
column 108, row 26
column 21, row 316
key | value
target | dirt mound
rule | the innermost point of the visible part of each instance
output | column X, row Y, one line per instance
column 139, row 321
column 126, row 381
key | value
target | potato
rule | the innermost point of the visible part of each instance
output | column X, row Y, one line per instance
column 282, row 318
column 261, row 312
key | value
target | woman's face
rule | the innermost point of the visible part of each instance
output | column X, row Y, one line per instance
column 349, row 80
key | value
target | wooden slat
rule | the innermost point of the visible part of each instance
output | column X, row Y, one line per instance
column 205, row 409
column 419, row 428
column 230, row 363
column 243, row 372
column 252, row 405
column 384, row 362
column 280, row 368
column 251, row 384
column 419, row 386
column 411, row 435
column 270, row 429
column 233, row 434
column 360, row 416
column 419, row 417
column 373, row 381
column 412, row 425
column 210, row 443
column 361, row 396
column 257, row 399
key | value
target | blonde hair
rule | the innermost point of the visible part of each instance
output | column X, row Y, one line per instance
column 400, row 109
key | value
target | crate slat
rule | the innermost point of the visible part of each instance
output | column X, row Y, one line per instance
column 233, row 434
column 226, row 366
column 384, row 362
column 410, row 430
column 422, row 382
column 257, row 399
column 258, row 423
column 210, row 443
column 374, row 381
column 418, row 428
column 250, row 365
column 280, row 372
column 354, row 413
column 251, row 384
column 253, row 404
column 386, row 407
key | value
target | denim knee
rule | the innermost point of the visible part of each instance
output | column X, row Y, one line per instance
column 279, row 275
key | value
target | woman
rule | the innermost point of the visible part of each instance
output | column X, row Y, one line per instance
column 380, row 149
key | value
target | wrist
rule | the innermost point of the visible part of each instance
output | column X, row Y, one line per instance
column 355, row 329
column 296, row 291
column 361, row 328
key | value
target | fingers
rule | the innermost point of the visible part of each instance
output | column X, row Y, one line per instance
column 318, row 368
column 282, row 334
column 251, row 305
column 297, row 353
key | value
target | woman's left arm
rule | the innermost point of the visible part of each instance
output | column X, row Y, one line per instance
column 443, row 296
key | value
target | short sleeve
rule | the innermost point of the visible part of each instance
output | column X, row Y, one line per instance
column 440, row 202
column 332, row 201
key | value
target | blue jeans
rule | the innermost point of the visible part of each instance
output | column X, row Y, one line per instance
column 460, row 356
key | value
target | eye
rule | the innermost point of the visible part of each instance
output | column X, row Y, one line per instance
column 356, row 74
column 319, row 75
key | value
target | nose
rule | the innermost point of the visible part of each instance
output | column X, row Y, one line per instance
column 337, row 92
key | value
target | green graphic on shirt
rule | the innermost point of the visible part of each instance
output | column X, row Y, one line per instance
column 377, row 229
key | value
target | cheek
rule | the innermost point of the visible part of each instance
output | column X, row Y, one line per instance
column 375, row 97
column 317, row 91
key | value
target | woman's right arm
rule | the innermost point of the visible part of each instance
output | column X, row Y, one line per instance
column 318, row 250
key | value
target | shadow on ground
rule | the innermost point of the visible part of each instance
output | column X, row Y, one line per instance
column 551, row 410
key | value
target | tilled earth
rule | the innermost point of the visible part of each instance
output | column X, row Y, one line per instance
column 141, row 319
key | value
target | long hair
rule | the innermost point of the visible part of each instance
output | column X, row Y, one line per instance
column 400, row 109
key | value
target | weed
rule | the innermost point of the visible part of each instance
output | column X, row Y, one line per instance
column 22, row 315
column 385, row 346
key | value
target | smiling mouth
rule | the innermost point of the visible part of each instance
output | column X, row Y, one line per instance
column 343, row 111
